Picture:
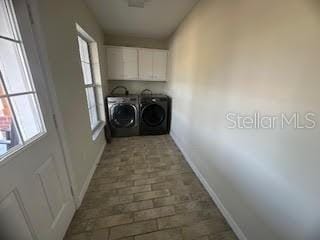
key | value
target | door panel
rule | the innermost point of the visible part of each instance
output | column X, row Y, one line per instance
column 145, row 64
column 51, row 186
column 159, row 65
column 122, row 63
column 115, row 63
column 130, row 62
column 35, row 196
column 11, row 213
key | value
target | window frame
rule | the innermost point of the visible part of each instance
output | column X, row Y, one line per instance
column 94, row 86
column 25, row 66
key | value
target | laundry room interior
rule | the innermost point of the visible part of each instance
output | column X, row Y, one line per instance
column 159, row 119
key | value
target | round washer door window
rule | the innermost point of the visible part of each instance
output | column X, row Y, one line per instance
column 124, row 116
column 153, row 115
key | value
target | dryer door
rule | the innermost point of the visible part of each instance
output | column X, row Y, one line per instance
column 124, row 115
column 153, row 115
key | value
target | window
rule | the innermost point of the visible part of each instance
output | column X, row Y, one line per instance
column 89, row 81
column 20, row 115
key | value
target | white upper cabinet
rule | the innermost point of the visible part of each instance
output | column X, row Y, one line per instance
column 160, row 65
column 146, row 64
column 115, row 63
column 130, row 57
column 152, row 64
column 122, row 63
column 143, row 64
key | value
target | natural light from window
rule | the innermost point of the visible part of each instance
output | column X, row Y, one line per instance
column 89, row 82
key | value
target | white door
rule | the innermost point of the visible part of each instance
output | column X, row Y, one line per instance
column 115, row 63
column 130, row 59
column 35, row 196
column 159, row 65
column 146, row 64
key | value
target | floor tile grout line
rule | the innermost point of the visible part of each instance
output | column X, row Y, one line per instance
column 143, row 170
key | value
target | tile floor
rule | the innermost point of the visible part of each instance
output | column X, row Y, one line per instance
column 143, row 189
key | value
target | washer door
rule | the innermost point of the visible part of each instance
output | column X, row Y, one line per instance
column 123, row 115
column 153, row 115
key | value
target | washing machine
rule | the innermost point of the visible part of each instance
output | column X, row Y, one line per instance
column 123, row 115
column 154, row 114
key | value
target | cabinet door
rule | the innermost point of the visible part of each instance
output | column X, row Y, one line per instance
column 159, row 65
column 122, row 63
column 115, row 63
column 130, row 64
column 146, row 64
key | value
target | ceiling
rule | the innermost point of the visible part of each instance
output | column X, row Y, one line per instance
column 158, row 19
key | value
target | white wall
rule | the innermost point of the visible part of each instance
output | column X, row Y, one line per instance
column 129, row 41
column 135, row 87
column 58, row 20
column 246, row 56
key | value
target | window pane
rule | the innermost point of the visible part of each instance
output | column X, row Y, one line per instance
column 27, row 114
column 14, row 73
column 2, row 89
column 84, row 50
column 86, row 70
column 5, row 23
column 92, row 106
column 80, row 42
column 90, row 97
column 9, row 136
column 93, row 117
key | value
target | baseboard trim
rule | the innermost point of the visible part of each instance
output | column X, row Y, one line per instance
column 89, row 177
column 211, row 192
